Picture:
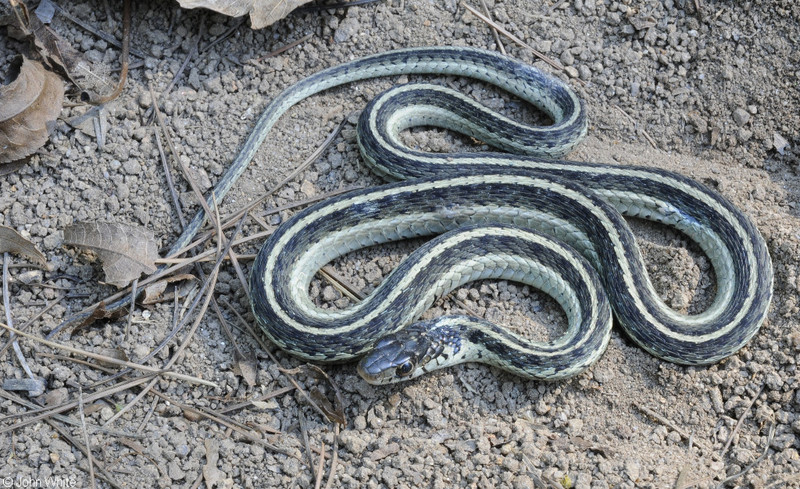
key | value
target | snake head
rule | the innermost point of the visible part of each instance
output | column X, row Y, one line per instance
column 409, row 353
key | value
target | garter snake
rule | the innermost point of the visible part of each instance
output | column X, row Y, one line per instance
column 493, row 209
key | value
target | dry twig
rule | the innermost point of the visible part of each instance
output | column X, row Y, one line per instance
column 334, row 456
column 755, row 462
column 286, row 47
column 517, row 40
column 7, row 306
column 108, row 359
column 669, row 424
column 126, row 43
column 320, row 466
column 89, row 456
column 739, row 422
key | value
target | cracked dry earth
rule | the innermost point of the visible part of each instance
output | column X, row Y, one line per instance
column 712, row 94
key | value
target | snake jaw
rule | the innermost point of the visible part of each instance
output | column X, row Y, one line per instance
column 394, row 357
column 418, row 349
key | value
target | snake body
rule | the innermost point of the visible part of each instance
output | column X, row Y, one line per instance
column 503, row 216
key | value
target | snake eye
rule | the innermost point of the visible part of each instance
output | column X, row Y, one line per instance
column 404, row 369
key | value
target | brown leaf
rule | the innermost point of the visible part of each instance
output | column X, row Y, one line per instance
column 126, row 251
column 57, row 53
column 115, row 353
column 133, row 445
column 154, row 292
column 54, row 397
column 28, row 105
column 334, row 411
column 100, row 312
column 262, row 12
column 13, row 242
column 246, row 367
column 212, row 475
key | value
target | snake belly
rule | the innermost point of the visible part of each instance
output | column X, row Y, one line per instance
column 581, row 204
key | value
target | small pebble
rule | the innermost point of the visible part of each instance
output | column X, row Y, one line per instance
column 741, row 117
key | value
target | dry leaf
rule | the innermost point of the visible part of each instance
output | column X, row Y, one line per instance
column 28, row 105
column 126, row 251
column 262, row 12
column 334, row 411
column 115, row 353
column 154, row 292
column 57, row 53
column 212, row 475
column 54, row 397
column 13, row 242
column 133, row 445
column 264, row 405
column 100, row 312
column 246, row 367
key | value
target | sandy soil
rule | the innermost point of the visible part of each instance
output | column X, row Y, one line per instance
column 710, row 95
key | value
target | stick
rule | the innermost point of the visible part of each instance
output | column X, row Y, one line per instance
column 86, row 438
column 7, row 306
column 514, row 38
column 107, row 359
column 739, row 421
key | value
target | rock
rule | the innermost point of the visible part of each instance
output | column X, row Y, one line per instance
column 779, row 143
column 741, row 117
column 175, row 472
column 347, row 29
column 352, row 441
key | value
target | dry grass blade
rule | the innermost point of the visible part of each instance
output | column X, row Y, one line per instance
column 31, row 321
column 669, row 424
column 227, row 423
column 36, row 387
column 755, row 462
column 265, row 397
column 29, row 106
column 496, row 34
column 130, row 405
column 286, row 47
column 306, row 442
column 229, row 222
column 66, row 435
column 289, row 373
column 13, row 242
column 184, row 169
column 126, row 251
column 49, row 412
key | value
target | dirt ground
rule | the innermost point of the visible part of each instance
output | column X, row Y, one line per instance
column 712, row 94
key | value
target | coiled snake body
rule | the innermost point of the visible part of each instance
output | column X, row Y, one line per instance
column 497, row 215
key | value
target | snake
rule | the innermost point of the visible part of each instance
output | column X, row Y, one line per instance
column 519, row 212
